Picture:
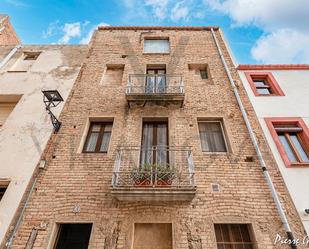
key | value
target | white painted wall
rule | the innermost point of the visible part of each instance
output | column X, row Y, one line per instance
column 295, row 103
column 26, row 131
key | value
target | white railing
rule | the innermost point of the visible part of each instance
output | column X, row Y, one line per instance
column 157, row 166
column 155, row 84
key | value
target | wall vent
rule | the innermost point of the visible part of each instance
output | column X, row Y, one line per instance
column 215, row 187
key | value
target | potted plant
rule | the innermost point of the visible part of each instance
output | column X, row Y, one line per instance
column 142, row 176
column 165, row 175
column 150, row 174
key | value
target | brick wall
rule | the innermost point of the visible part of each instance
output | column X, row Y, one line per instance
column 8, row 35
column 72, row 178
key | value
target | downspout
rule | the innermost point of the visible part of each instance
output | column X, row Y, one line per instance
column 271, row 186
column 9, row 55
column 12, row 236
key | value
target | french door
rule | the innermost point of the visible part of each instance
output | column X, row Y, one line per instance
column 154, row 143
column 155, row 81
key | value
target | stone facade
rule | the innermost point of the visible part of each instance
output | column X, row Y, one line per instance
column 76, row 186
column 8, row 35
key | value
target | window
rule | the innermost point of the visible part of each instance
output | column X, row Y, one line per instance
column 154, row 143
column 212, row 136
column 31, row 56
column 73, row 236
column 7, row 104
column 204, row 74
column 3, row 187
column 233, row 236
column 98, row 137
column 153, row 235
column 263, row 84
column 200, row 70
column 292, row 139
column 155, row 79
column 113, row 74
column 24, row 63
column 154, row 46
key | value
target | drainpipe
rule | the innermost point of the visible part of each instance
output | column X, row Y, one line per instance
column 12, row 236
column 8, row 57
column 271, row 186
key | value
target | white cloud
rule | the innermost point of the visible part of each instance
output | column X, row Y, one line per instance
column 71, row 30
column 284, row 22
column 86, row 38
column 282, row 46
column 179, row 11
column 52, row 29
column 159, row 7
column 17, row 3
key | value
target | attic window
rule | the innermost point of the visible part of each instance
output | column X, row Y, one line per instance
column 156, row 46
column 31, row 56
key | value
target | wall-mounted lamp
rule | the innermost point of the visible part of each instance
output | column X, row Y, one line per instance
column 52, row 98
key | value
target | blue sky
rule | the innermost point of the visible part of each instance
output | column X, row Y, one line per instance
column 258, row 31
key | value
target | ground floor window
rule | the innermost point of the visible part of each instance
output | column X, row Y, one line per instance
column 234, row 236
column 73, row 236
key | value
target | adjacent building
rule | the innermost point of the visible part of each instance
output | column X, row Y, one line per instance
column 8, row 35
column 280, row 97
column 25, row 125
column 153, row 151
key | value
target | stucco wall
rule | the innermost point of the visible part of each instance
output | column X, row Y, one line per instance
column 26, row 131
column 295, row 103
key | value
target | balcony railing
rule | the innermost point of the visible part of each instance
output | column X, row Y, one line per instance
column 155, row 173
column 155, row 87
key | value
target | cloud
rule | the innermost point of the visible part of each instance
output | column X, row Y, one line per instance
column 87, row 37
column 282, row 46
column 281, row 20
column 162, row 10
column 70, row 30
column 179, row 11
column 17, row 3
column 159, row 7
column 52, row 29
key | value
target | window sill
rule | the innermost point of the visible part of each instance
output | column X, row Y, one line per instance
column 298, row 165
column 269, row 95
column 145, row 53
column 17, row 71
column 215, row 152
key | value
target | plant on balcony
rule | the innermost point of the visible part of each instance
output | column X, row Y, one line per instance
column 149, row 174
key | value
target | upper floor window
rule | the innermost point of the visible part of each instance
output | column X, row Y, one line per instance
column 292, row 139
column 24, row 63
column 7, row 104
column 212, row 136
column 154, row 46
column 201, row 70
column 263, row 84
column 3, row 188
column 233, row 236
column 98, row 137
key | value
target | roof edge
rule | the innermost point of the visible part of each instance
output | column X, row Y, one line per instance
column 273, row 67
column 193, row 28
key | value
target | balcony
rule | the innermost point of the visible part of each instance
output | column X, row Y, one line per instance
column 160, row 89
column 157, row 173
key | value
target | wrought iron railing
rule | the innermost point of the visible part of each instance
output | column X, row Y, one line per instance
column 158, row 166
column 155, row 84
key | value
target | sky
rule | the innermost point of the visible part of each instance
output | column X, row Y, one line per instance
column 258, row 31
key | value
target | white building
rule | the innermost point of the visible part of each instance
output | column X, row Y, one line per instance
column 25, row 126
column 280, row 97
